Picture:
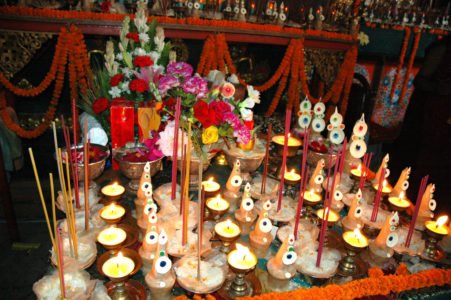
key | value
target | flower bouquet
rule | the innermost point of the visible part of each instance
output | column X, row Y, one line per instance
column 122, row 95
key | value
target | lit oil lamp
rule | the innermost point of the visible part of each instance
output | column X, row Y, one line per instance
column 357, row 172
column 217, row 206
column 386, row 187
column 291, row 179
column 112, row 192
column 399, row 203
column 112, row 238
column 436, row 231
column 311, row 198
column 119, row 267
column 332, row 219
column 211, row 187
column 355, row 242
column 112, row 214
column 293, row 144
column 228, row 232
column 241, row 261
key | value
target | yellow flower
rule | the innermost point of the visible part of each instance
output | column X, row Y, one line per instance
column 210, row 135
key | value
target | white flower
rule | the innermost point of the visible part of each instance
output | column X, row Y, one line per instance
column 144, row 37
column 364, row 39
column 119, row 57
column 127, row 72
column 139, row 52
column 115, row 92
column 248, row 103
column 253, row 94
column 233, row 79
column 166, row 141
column 159, row 43
column 155, row 56
column 246, row 114
column 125, row 87
column 216, row 77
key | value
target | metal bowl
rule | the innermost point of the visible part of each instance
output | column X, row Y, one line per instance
column 95, row 168
column 250, row 160
column 329, row 159
column 134, row 170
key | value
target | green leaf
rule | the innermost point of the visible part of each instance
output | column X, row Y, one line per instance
column 152, row 31
column 164, row 57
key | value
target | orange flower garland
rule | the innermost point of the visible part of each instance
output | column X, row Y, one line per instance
column 377, row 284
column 413, row 53
column 405, row 43
column 70, row 46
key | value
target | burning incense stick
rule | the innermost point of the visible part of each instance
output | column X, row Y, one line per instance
column 265, row 166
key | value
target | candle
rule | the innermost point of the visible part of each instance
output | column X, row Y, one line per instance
column 112, row 190
column 355, row 238
column 210, row 185
column 438, row 226
column 292, row 176
column 242, row 258
column 311, row 196
column 333, row 216
column 112, row 212
column 399, row 201
column 357, row 172
column 111, row 236
column 386, row 188
column 118, row 266
column 292, row 142
column 227, row 229
column 217, row 204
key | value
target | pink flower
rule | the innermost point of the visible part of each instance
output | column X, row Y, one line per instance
column 166, row 83
column 180, row 69
column 228, row 90
column 197, row 86
column 240, row 131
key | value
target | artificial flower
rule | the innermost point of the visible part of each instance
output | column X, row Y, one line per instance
column 210, row 135
column 155, row 56
column 220, row 108
column 116, row 79
column 253, row 94
column 204, row 114
column 115, row 92
column 144, row 37
column 125, row 86
column 246, row 114
column 133, row 36
column 197, row 86
column 139, row 52
column 100, row 105
column 138, row 85
column 142, row 61
column 151, row 145
column 166, row 83
column 148, row 75
column 166, row 140
column 242, row 134
column 180, row 69
column 233, row 79
column 228, row 90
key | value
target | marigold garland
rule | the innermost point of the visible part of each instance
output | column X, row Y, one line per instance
column 405, row 43
column 378, row 284
column 70, row 51
column 413, row 53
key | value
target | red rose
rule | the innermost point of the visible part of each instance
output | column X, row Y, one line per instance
column 204, row 114
column 219, row 108
column 99, row 105
column 142, row 61
column 116, row 79
column 138, row 85
column 133, row 36
column 170, row 102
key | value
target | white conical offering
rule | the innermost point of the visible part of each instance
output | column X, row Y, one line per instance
column 246, row 214
column 384, row 165
column 318, row 123
column 336, row 128
column 148, row 211
column 403, row 183
column 145, row 190
column 235, row 180
column 261, row 237
column 353, row 219
column 387, row 237
column 282, row 265
column 317, row 178
column 427, row 207
column 150, row 242
column 161, row 278
column 305, row 113
column 358, row 147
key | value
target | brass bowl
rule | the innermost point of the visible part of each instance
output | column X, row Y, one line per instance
column 292, row 150
column 250, row 159
column 132, row 254
column 329, row 159
column 134, row 170
column 95, row 168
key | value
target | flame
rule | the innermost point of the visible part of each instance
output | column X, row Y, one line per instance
column 401, row 196
column 211, row 179
column 115, row 184
column 253, row 5
column 384, row 183
column 241, row 248
column 120, row 254
column 359, row 168
column 357, row 233
column 112, row 206
column 441, row 221
column 228, row 223
column 311, row 191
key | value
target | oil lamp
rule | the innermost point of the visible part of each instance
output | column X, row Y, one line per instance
column 355, row 242
column 112, row 213
column 436, row 231
column 228, row 232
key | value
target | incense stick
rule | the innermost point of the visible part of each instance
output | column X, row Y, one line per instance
column 378, row 197
column 300, row 204
column 70, row 216
column 74, row 131
column 86, row 171
column 41, row 196
column 265, row 166
column 74, row 168
column 60, row 251
column 201, row 225
column 421, row 191
column 284, row 158
column 187, row 180
column 175, row 148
